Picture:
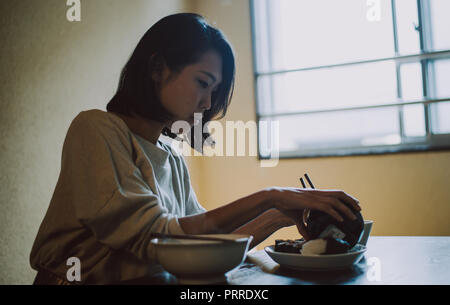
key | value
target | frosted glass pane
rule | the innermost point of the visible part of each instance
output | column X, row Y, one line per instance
column 441, row 70
column 440, row 112
column 441, row 122
column 262, row 32
column 357, row 128
column 407, row 18
column 264, row 95
column 411, row 81
column 347, row 86
column 414, row 120
column 305, row 33
column 440, row 24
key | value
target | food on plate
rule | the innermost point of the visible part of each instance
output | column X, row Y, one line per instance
column 289, row 246
column 326, row 245
column 321, row 225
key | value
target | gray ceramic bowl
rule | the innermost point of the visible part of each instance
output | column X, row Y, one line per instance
column 198, row 261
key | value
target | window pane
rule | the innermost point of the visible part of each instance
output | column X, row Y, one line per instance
column 441, row 70
column 441, row 112
column 262, row 32
column 306, row 33
column 407, row 19
column 440, row 24
column 347, row 86
column 414, row 120
column 379, row 126
column 264, row 86
column 411, row 81
column 441, row 115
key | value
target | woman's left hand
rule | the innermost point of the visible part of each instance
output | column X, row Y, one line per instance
column 290, row 218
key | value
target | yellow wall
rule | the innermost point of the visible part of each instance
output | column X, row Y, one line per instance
column 405, row 194
column 51, row 70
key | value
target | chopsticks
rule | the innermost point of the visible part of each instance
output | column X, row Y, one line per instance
column 303, row 182
column 309, row 181
column 194, row 237
column 306, row 211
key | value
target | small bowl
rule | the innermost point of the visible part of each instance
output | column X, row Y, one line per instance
column 201, row 261
column 366, row 233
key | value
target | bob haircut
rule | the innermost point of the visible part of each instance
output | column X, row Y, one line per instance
column 177, row 40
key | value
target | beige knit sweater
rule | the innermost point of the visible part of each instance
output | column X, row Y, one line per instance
column 114, row 189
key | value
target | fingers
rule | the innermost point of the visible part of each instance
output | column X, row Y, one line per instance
column 332, row 212
column 302, row 230
column 352, row 201
column 338, row 205
column 325, row 205
column 341, row 195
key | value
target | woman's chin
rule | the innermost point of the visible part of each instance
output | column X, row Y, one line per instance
column 193, row 121
column 190, row 120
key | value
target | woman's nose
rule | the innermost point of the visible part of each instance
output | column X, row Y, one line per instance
column 206, row 103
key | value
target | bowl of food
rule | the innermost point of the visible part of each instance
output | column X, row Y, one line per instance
column 323, row 254
column 200, row 261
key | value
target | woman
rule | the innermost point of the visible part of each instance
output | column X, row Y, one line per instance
column 119, row 183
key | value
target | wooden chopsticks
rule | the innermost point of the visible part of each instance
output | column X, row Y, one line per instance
column 309, row 181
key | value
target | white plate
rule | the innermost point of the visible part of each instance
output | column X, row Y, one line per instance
column 317, row 262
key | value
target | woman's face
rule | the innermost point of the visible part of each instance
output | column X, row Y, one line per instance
column 190, row 91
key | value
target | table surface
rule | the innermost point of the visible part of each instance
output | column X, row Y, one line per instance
column 401, row 260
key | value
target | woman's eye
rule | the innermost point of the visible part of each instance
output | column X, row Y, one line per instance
column 203, row 84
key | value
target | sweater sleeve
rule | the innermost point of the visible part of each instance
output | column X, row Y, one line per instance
column 109, row 194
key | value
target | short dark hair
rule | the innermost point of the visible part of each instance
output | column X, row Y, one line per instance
column 177, row 40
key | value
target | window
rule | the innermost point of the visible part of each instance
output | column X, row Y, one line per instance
column 340, row 82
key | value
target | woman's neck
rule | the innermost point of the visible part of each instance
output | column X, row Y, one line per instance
column 147, row 129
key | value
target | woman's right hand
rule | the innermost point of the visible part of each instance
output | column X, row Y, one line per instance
column 333, row 202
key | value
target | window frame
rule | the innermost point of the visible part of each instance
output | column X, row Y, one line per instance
column 429, row 142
